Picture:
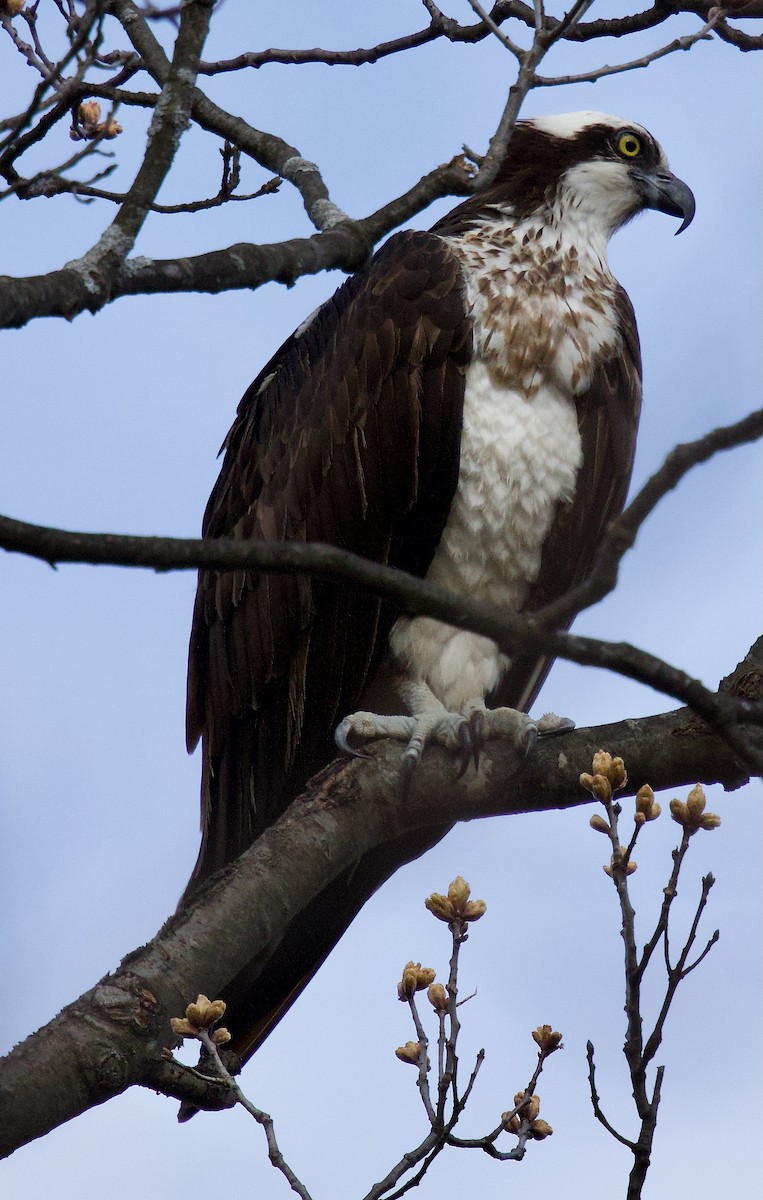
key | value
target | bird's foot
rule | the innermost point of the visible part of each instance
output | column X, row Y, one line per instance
column 464, row 733
column 515, row 727
column 433, row 725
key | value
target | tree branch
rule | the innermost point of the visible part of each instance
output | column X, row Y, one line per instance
column 621, row 534
column 112, row 1037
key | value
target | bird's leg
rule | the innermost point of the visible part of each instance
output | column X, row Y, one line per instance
column 431, row 722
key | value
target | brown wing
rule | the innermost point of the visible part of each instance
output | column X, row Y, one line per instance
column 608, row 415
column 350, row 435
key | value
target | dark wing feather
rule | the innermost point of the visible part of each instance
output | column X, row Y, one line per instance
column 608, row 415
column 350, row 435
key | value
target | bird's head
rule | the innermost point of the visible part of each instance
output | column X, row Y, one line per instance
column 604, row 166
column 586, row 168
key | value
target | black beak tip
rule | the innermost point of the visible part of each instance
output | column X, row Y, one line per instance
column 688, row 216
column 667, row 193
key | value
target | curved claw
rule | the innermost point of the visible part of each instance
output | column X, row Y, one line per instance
column 411, row 758
column 477, row 726
column 469, row 751
column 471, row 739
column 342, row 742
column 530, row 739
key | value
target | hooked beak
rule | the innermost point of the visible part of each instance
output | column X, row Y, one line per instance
column 666, row 193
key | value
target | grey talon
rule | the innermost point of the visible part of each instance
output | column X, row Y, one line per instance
column 477, row 723
column 340, row 739
column 530, row 739
column 466, row 741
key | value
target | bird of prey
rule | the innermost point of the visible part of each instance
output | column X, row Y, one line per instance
column 464, row 408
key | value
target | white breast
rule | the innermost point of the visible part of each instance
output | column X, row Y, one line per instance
column 519, row 458
column 536, row 344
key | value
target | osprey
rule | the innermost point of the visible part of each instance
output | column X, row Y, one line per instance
column 464, row 408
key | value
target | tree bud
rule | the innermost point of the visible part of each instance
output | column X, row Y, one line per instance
column 415, row 979
column 709, row 821
column 599, row 824
column 602, row 761
column 547, row 1039
column 529, row 1110
column 438, row 997
column 182, row 1027
column 407, row 985
column 221, row 1036
column 540, row 1129
column 205, row 1012
column 409, row 1053
column 618, row 860
column 440, row 907
column 89, row 112
column 618, row 776
column 601, row 788
column 459, row 892
column 695, row 803
column 510, row 1122
column 473, row 910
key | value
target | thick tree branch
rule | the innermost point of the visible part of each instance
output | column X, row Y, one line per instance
column 113, row 1035
column 344, row 247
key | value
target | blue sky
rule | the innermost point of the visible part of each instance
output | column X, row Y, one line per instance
column 113, row 423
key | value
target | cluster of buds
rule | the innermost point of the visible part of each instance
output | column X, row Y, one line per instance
column 620, row 862
column 547, row 1039
column 526, row 1112
column 409, row 1053
column 415, row 979
column 609, row 776
column 199, row 1017
column 89, row 125
column 456, row 907
column 12, row 7
column 692, row 814
column 647, row 808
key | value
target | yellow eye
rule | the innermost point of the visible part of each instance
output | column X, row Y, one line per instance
column 629, row 145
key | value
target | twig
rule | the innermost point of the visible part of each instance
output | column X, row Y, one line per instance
column 621, row 534
column 609, row 777
column 681, row 43
column 596, row 1101
column 262, row 1118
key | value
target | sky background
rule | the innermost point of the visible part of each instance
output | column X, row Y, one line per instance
column 113, row 423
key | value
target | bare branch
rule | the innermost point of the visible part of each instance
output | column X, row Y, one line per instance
column 621, row 535
column 681, row 43
column 596, row 1101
